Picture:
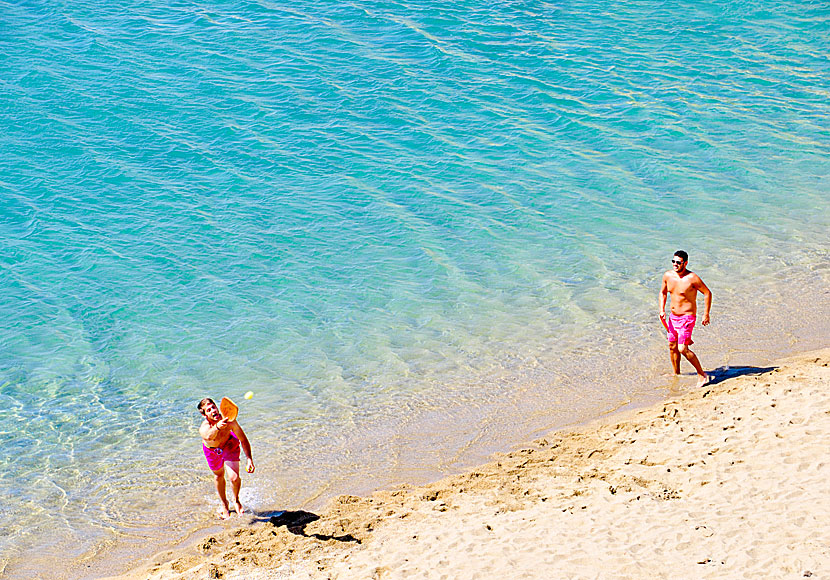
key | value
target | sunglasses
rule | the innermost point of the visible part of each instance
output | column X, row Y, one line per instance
column 677, row 261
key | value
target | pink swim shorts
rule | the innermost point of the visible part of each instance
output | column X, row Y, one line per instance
column 680, row 328
column 217, row 456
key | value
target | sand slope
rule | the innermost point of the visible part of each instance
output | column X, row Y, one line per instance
column 730, row 481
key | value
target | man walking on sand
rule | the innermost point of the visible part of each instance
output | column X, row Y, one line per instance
column 683, row 285
column 221, row 439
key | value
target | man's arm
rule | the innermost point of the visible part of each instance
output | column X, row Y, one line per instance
column 664, row 291
column 245, row 444
column 209, row 432
column 707, row 295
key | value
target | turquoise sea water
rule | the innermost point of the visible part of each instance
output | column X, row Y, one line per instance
column 416, row 231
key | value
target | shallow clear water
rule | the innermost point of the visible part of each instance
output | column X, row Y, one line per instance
column 417, row 232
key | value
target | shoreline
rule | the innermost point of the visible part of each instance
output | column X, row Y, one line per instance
column 714, row 482
column 420, row 464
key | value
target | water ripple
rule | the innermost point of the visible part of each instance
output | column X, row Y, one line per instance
column 381, row 217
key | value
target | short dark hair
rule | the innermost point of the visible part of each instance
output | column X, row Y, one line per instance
column 682, row 255
column 202, row 404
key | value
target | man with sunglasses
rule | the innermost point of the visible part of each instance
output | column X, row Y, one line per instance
column 683, row 285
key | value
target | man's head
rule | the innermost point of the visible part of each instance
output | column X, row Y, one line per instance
column 209, row 410
column 679, row 260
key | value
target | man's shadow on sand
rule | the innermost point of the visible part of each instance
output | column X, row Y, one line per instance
column 721, row 374
column 296, row 521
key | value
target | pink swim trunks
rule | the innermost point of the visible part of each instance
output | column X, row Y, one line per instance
column 680, row 328
column 217, row 456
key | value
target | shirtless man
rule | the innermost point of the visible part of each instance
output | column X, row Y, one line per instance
column 683, row 285
column 221, row 440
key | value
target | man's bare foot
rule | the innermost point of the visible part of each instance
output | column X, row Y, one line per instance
column 223, row 513
column 702, row 381
column 239, row 509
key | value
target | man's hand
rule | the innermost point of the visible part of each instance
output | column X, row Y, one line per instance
column 662, row 315
column 221, row 424
column 705, row 320
column 251, row 467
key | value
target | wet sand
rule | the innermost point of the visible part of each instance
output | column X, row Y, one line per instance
column 726, row 481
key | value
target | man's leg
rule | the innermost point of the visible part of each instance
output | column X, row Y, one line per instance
column 219, row 480
column 703, row 378
column 232, row 468
column 675, row 357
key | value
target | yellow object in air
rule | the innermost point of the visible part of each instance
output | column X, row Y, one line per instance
column 249, row 395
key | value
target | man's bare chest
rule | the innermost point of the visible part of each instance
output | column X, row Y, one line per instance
column 682, row 286
column 218, row 439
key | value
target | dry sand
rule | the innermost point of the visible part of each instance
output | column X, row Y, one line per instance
column 729, row 481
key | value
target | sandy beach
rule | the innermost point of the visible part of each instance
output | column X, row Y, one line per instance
column 728, row 481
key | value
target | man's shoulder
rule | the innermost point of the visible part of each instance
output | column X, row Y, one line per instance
column 698, row 280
